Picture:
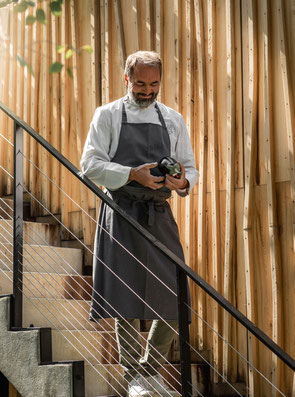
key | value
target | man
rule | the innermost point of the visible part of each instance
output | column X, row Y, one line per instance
column 131, row 279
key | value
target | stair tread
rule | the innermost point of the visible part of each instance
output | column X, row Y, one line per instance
column 45, row 259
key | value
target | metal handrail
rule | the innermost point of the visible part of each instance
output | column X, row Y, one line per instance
column 182, row 269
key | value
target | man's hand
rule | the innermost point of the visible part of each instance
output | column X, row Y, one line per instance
column 142, row 175
column 175, row 183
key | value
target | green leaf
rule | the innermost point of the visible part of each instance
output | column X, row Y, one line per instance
column 60, row 48
column 22, row 62
column 70, row 73
column 21, row 7
column 40, row 16
column 30, row 69
column 60, row 1
column 30, row 3
column 55, row 8
column 87, row 48
column 4, row 3
column 69, row 53
column 30, row 19
column 55, row 67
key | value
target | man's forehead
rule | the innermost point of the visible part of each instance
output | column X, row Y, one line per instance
column 141, row 67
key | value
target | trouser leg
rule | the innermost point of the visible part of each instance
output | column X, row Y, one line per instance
column 129, row 346
column 159, row 341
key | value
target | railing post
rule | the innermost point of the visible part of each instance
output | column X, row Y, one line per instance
column 17, row 303
column 183, row 319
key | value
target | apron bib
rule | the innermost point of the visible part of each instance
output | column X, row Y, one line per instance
column 129, row 283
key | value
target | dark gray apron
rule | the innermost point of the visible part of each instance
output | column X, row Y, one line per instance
column 122, row 286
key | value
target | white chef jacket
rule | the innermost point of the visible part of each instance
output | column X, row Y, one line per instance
column 103, row 137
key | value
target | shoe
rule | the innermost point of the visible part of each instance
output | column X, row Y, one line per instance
column 157, row 383
column 139, row 387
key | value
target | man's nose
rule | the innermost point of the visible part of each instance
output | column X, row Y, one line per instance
column 149, row 90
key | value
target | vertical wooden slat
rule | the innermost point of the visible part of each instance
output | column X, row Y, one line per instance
column 144, row 24
column 79, row 133
column 203, row 156
column 5, row 98
column 214, row 178
column 27, row 32
column 158, row 47
column 120, row 33
column 104, row 12
column 64, row 120
column 45, row 96
column 34, row 113
column 271, row 199
column 289, row 116
column 186, row 204
column 55, row 116
column 96, row 69
column 250, row 146
column 230, row 168
column 288, row 106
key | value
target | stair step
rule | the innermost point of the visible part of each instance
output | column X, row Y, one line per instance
column 6, row 209
column 102, row 377
column 44, row 258
column 61, row 314
column 49, row 285
column 34, row 233
column 101, row 347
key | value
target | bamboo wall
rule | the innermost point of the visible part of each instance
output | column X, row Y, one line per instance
column 229, row 69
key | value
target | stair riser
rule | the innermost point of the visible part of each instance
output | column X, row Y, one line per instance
column 95, row 379
column 33, row 233
column 61, row 314
column 49, row 285
column 43, row 259
column 6, row 209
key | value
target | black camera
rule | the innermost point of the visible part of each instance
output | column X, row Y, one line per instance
column 169, row 166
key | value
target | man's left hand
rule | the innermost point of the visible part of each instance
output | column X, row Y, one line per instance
column 177, row 183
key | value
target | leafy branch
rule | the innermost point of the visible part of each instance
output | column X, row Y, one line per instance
column 55, row 7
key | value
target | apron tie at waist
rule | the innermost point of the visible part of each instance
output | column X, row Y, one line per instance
column 154, row 200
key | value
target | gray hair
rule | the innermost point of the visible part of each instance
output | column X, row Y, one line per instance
column 147, row 58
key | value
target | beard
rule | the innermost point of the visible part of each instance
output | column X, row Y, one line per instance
column 140, row 100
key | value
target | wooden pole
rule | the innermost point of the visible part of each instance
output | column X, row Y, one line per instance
column 214, row 178
column 230, row 171
column 55, row 117
column 79, row 134
column 65, row 100
column 203, row 158
column 250, row 163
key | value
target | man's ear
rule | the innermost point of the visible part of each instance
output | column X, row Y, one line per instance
column 126, row 79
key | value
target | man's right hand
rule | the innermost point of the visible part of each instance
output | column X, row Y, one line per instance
column 142, row 175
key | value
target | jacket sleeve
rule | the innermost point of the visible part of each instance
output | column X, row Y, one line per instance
column 95, row 162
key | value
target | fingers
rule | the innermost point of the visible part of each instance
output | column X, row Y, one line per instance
column 150, row 165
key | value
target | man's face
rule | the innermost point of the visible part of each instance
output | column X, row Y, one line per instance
column 144, row 84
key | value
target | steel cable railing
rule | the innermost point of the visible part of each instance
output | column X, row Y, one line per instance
column 190, row 345
column 182, row 268
column 210, row 365
column 71, row 297
column 220, row 336
column 207, row 324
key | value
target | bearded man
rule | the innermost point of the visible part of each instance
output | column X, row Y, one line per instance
column 132, row 280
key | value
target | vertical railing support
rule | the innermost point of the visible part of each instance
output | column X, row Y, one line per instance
column 18, row 229
column 183, row 319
